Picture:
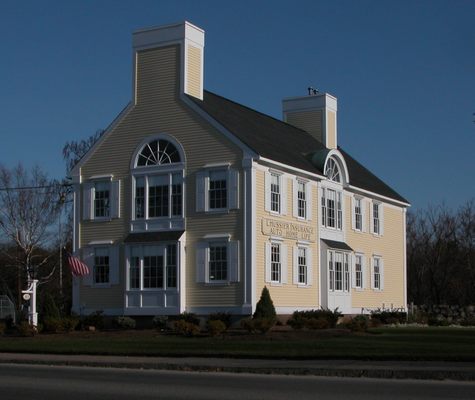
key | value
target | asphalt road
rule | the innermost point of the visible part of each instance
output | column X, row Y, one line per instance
column 18, row 382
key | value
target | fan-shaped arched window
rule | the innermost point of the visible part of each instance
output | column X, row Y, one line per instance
column 158, row 152
column 332, row 171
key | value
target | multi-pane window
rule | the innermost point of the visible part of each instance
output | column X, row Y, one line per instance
column 376, row 218
column 332, row 171
column 275, row 262
column 218, row 262
column 358, row 215
column 102, row 199
column 101, row 265
column 158, row 152
column 158, row 196
column 302, row 266
column 217, row 190
column 275, row 193
column 301, row 200
column 338, row 271
column 377, row 273
column 153, row 267
column 358, row 271
column 332, row 209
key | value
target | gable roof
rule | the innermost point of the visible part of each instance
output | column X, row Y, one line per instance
column 284, row 143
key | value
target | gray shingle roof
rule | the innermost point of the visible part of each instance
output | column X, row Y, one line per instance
column 282, row 142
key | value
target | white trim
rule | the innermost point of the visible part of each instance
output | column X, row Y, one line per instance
column 286, row 310
column 405, row 258
column 101, row 177
column 289, row 167
column 342, row 163
column 379, row 196
column 220, row 165
column 253, row 239
column 100, row 242
column 217, row 236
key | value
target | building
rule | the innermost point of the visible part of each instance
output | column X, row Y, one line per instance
column 192, row 202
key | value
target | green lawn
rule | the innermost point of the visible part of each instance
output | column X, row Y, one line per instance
column 454, row 344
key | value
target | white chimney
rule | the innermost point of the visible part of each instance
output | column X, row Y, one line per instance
column 191, row 40
column 316, row 114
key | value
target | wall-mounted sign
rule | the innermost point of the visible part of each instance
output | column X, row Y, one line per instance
column 288, row 230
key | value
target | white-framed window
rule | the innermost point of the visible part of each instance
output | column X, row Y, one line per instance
column 358, row 271
column 377, row 273
column 158, row 195
column 302, row 265
column 338, row 271
column 358, row 214
column 276, row 262
column 103, row 263
column 152, row 267
column 377, row 227
column 332, row 209
column 332, row 170
column 302, row 199
column 101, row 199
column 217, row 189
column 217, row 261
column 275, row 192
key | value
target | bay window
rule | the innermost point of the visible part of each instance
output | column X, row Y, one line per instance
column 338, row 271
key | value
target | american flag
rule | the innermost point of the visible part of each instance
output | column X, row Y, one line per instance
column 78, row 268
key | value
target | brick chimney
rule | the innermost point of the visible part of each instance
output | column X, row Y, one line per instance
column 316, row 114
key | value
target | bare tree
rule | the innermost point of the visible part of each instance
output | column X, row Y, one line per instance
column 73, row 151
column 29, row 206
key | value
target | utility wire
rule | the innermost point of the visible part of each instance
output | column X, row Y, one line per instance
column 36, row 187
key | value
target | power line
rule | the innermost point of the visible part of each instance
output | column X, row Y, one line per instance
column 36, row 187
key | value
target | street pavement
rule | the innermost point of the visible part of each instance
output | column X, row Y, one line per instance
column 433, row 370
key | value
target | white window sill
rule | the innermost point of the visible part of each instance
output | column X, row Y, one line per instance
column 304, row 285
column 276, row 284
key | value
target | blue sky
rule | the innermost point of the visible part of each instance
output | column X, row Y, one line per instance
column 403, row 73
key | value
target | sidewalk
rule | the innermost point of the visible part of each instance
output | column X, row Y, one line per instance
column 463, row 371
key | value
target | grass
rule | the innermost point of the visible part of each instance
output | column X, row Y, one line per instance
column 403, row 343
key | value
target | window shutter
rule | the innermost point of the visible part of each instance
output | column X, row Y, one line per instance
column 364, row 215
column 371, row 220
column 381, row 273
column 364, row 273
column 295, row 266
column 88, row 259
column 372, row 273
column 353, row 273
column 309, row 267
column 234, row 261
column 200, row 191
column 267, row 191
column 381, row 219
column 267, row 262
column 233, row 191
column 309, row 188
column 283, row 196
column 295, row 202
column 283, row 263
column 87, row 201
column 115, row 199
column 353, row 213
column 201, row 252
column 114, row 267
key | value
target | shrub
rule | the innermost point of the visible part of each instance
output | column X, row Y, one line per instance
column 70, row 323
column 25, row 329
column 123, row 323
column 359, row 323
column 265, row 307
column 189, row 317
column 221, row 316
column 468, row 321
column 216, row 327
column 185, row 328
column 389, row 317
column 160, row 322
column 3, row 328
column 257, row 325
column 247, row 324
column 314, row 319
column 50, row 309
column 52, row 325
column 96, row 319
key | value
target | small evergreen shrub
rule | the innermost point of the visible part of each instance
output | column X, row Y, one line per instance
column 221, row 316
column 25, row 329
column 70, row 323
column 314, row 319
column 52, row 325
column 216, row 327
column 96, row 319
column 185, row 328
column 50, row 309
column 189, row 317
column 247, row 324
column 160, row 322
column 389, row 317
column 359, row 323
column 265, row 307
column 124, row 323
column 468, row 321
